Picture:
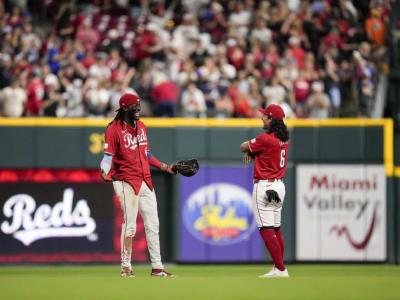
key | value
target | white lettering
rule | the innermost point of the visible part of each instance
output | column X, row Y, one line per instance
column 42, row 216
column 28, row 225
column 132, row 142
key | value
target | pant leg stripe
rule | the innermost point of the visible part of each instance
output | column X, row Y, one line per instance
column 126, row 220
column 262, row 225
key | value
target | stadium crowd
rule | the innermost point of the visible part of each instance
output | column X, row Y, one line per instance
column 315, row 58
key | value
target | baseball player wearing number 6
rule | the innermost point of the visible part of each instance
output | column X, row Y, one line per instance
column 126, row 163
column 269, row 151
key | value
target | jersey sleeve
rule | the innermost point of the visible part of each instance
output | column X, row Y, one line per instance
column 259, row 143
column 110, row 142
column 148, row 148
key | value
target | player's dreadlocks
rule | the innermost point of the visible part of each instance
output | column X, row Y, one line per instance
column 279, row 128
column 118, row 116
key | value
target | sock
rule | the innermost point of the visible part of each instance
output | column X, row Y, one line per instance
column 272, row 244
column 279, row 236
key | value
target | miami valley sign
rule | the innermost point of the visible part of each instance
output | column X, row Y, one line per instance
column 341, row 213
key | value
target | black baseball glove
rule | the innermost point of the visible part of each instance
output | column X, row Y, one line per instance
column 272, row 196
column 186, row 167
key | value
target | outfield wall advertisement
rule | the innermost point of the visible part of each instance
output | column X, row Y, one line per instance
column 62, row 222
column 340, row 213
column 216, row 219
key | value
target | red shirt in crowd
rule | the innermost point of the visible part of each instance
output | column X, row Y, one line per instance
column 301, row 89
column 299, row 54
column 35, row 96
column 333, row 40
column 129, row 147
column 270, row 156
column 166, row 91
column 141, row 44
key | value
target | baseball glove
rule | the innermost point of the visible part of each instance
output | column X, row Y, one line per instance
column 272, row 196
column 186, row 167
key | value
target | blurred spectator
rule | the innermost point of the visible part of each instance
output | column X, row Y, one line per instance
column 301, row 91
column 375, row 28
column 318, row 102
column 35, row 90
column 224, row 106
column 164, row 95
column 186, row 31
column 332, row 82
column 193, row 102
column 241, row 103
column 6, row 76
column 213, row 20
column 364, row 76
column 199, row 53
column 274, row 93
column 87, row 35
column 261, row 32
column 12, row 100
column 96, row 97
column 159, row 14
column 52, row 98
column 240, row 18
column 72, row 105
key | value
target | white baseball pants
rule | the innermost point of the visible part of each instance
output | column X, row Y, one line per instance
column 267, row 214
column 131, row 203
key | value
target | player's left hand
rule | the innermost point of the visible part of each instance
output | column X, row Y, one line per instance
column 168, row 169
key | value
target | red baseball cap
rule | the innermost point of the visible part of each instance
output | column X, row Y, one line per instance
column 274, row 111
column 127, row 99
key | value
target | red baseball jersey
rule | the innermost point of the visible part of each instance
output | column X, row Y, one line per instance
column 129, row 147
column 270, row 156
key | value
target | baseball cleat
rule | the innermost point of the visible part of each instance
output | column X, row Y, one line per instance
column 275, row 273
column 160, row 273
column 127, row 272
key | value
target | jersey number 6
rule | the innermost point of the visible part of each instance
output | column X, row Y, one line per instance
column 282, row 160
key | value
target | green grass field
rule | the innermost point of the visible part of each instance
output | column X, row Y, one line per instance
column 307, row 282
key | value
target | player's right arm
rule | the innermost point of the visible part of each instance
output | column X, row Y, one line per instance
column 258, row 144
column 109, row 151
column 253, row 146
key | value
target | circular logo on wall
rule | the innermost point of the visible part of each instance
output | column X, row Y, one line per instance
column 219, row 214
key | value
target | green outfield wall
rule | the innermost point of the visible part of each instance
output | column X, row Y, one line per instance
column 73, row 144
column 78, row 143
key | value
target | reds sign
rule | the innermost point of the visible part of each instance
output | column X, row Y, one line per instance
column 341, row 212
column 29, row 222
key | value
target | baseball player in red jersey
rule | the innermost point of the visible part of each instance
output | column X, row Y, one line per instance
column 269, row 151
column 126, row 162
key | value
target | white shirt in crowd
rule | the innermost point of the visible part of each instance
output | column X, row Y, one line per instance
column 274, row 94
column 318, row 105
column 262, row 34
column 12, row 101
column 193, row 101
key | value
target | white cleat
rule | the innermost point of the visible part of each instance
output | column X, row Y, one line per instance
column 275, row 273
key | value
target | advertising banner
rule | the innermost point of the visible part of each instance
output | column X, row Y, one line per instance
column 216, row 222
column 62, row 222
column 341, row 213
